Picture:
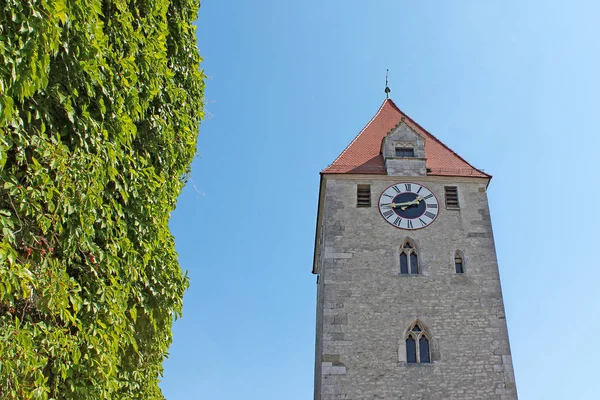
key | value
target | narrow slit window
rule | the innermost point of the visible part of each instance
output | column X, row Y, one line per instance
column 458, row 263
column 414, row 263
column 363, row 196
column 451, row 197
column 405, row 152
column 411, row 350
column 403, row 264
column 424, row 350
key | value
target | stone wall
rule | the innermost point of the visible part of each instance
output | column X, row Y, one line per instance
column 365, row 306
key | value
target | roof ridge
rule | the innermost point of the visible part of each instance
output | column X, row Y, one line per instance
column 360, row 133
column 435, row 138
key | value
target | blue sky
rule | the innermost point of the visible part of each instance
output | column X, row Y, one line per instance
column 511, row 86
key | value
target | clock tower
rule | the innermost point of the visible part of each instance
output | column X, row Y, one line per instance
column 409, row 304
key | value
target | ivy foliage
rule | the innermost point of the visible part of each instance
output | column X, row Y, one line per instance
column 100, row 102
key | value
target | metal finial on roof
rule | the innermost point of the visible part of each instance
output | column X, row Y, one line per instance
column 387, row 88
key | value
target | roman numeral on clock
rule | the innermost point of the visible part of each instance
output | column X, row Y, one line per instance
column 428, row 196
column 388, row 214
column 397, row 221
column 433, row 205
column 388, row 195
column 422, row 222
column 430, row 215
column 407, row 186
column 396, row 189
column 409, row 223
column 419, row 189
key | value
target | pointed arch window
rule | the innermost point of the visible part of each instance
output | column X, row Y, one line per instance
column 417, row 346
column 459, row 265
column 409, row 260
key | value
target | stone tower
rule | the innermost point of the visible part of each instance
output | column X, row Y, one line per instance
column 409, row 304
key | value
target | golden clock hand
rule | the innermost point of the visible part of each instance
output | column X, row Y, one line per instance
column 393, row 205
column 404, row 205
column 410, row 203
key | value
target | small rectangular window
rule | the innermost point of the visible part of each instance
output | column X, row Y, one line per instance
column 405, row 152
column 451, row 197
column 363, row 196
column 458, row 264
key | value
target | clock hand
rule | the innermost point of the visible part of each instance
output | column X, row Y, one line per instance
column 396, row 205
column 404, row 205
column 410, row 203
column 393, row 205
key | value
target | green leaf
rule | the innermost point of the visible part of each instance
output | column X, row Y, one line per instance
column 60, row 10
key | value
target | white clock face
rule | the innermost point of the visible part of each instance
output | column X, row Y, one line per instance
column 408, row 206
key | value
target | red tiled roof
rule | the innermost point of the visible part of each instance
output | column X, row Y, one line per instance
column 363, row 154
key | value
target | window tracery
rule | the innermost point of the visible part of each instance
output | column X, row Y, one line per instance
column 409, row 260
column 417, row 345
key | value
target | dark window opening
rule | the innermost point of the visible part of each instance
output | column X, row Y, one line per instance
column 458, row 264
column 403, row 264
column 414, row 263
column 411, row 350
column 424, row 350
column 451, row 197
column 363, row 196
column 405, row 152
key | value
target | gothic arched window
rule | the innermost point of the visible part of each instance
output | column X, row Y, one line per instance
column 458, row 263
column 417, row 345
column 409, row 261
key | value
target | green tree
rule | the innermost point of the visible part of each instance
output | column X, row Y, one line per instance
column 100, row 102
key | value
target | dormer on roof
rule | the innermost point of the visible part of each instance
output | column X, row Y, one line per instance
column 403, row 152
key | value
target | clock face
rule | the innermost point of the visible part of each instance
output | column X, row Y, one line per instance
column 408, row 206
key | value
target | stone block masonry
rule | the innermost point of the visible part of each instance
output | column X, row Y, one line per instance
column 365, row 306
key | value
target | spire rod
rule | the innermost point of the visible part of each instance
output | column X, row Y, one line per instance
column 387, row 88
